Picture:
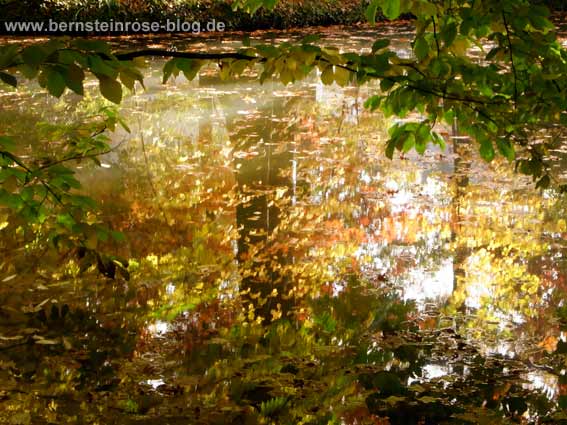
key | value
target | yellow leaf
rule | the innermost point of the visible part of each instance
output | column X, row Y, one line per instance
column 342, row 76
column 328, row 76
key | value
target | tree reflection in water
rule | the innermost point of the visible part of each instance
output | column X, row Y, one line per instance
column 283, row 272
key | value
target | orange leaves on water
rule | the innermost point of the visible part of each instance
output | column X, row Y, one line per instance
column 402, row 227
column 501, row 391
column 428, row 323
column 549, row 343
column 336, row 230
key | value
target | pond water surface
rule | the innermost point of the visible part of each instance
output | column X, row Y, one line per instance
column 282, row 270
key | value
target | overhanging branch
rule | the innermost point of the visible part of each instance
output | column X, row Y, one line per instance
column 185, row 55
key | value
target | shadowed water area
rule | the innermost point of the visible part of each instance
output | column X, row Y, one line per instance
column 281, row 269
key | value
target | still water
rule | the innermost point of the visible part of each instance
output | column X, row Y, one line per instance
column 282, row 270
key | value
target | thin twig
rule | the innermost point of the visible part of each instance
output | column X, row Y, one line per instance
column 435, row 36
column 80, row 157
column 442, row 94
column 30, row 171
column 185, row 55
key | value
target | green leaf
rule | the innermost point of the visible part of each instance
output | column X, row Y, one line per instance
column 8, row 54
column 391, row 8
column 421, row 48
column 12, row 201
column 390, row 147
column 268, row 51
column 373, row 102
column 68, row 57
column 407, row 142
column 328, row 76
column 380, row 44
column 66, row 220
column 7, row 143
column 191, row 67
column 286, row 76
column 168, row 69
column 505, row 148
column 486, row 150
column 28, row 71
column 130, row 406
column 100, row 67
column 540, row 22
column 449, row 33
column 438, row 140
column 74, row 77
column 466, row 25
column 55, row 83
column 128, row 80
column 342, row 76
column 110, row 89
column 386, row 84
column 543, row 183
column 123, row 124
column 118, row 236
column 34, row 56
column 102, row 233
column 371, row 11
column 422, row 137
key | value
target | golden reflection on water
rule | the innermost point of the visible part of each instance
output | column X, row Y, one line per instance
column 314, row 158
column 246, row 204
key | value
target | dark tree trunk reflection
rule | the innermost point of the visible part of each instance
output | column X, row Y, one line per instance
column 259, row 173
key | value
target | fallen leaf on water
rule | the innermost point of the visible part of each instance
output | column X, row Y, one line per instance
column 43, row 341
column 11, row 338
column 427, row 399
column 549, row 343
column 394, row 399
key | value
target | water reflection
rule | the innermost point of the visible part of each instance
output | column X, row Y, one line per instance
column 283, row 270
